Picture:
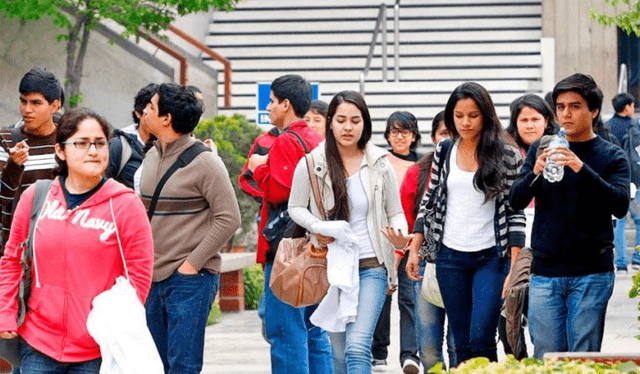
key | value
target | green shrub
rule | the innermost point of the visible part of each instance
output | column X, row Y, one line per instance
column 234, row 137
column 253, row 286
column 533, row 365
column 215, row 314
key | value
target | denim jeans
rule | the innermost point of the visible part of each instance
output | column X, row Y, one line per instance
column 34, row 362
column 471, row 286
column 620, row 239
column 177, row 312
column 408, row 337
column 567, row 313
column 297, row 346
column 430, row 321
column 352, row 348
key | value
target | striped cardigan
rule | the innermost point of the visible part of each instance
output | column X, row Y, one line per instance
column 509, row 224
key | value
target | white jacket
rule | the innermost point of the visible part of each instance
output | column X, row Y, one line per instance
column 381, row 186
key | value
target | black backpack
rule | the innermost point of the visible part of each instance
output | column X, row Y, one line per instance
column 630, row 141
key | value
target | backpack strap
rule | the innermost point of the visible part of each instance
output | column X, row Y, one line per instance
column 125, row 156
column 24, row 291
column 183, row 160
column 304, row 145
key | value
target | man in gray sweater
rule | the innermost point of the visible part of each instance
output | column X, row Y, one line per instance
column 195, row 215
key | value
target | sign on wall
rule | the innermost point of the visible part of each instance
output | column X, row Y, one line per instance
column 264, row 91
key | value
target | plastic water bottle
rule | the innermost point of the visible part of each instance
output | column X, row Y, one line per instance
column 552, row 171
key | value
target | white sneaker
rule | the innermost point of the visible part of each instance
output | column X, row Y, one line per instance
column 410, row 367
column 379, row 365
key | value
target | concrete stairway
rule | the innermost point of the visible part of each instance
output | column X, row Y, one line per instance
column 442, row 43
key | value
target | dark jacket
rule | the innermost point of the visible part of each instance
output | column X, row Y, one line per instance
column 124, row 176
column 572, row 230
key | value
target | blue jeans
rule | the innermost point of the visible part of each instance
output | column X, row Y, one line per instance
column 471, row 285
column 352, row 348
column 408, row 336
column 620, row 239
column 34, row 362
column 177, row 312
column 567, row 313
column 430, row 321
column 297, row 346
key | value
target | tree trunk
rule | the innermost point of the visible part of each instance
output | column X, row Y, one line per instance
column 75, row 61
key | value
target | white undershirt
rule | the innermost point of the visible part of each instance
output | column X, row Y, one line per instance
column 358, row 208
column 468, row 224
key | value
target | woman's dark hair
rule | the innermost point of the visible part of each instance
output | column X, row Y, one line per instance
column 490, row 149
column 337, row 172
column 536, row 103
column 319, row 107
column 68, row 126
column 402, row 120
column 424, row 165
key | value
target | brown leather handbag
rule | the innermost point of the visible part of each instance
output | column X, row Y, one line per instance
column 299, row 272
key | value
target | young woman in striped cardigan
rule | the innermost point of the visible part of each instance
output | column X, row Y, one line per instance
column 476, row 229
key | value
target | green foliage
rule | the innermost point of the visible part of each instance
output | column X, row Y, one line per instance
column 628, row 20
column 253, row 286
column 635, row 291
column 152, row 15
column 215, row 314
column 533, row 365
column 233, row 137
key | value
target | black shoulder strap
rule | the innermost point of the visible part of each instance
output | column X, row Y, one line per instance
column 304, row 145
column 183, row 160
column 16, row 135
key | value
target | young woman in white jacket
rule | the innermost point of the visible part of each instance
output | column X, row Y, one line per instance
column 359, row 192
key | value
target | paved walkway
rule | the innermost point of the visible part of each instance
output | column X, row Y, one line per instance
column 235, row 343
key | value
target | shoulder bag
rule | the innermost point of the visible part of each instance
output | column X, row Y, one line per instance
column 299, row 272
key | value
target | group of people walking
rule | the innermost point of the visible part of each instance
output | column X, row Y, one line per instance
column 486, row 199
column 92, row 229
column 480, row 196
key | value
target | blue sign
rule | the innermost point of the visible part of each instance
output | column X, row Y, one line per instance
column 264, row 92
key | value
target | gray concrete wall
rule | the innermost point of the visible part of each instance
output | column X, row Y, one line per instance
column 111, row 76
column 582, row 45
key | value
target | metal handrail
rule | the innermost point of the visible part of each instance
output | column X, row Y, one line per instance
column 396, row 41
column 381, row 24
column 214, row 55
column 623, row 79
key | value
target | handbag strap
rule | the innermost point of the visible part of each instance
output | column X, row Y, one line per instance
column 115, row 225
column 314, row 187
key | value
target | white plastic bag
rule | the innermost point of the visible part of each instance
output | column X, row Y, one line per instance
column 118, row 323
column 430, row 288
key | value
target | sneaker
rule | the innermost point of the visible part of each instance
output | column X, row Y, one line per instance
column 622, row 270
column 635, row 266
column 379, row 365
column 410, row 367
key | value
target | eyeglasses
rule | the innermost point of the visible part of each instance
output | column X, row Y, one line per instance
column 395, row 132
column 85, row 144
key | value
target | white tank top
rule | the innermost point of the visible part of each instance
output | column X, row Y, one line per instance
column 468, row 224
column 358, row 208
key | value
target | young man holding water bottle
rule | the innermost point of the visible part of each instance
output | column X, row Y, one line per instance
column 572, row 238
